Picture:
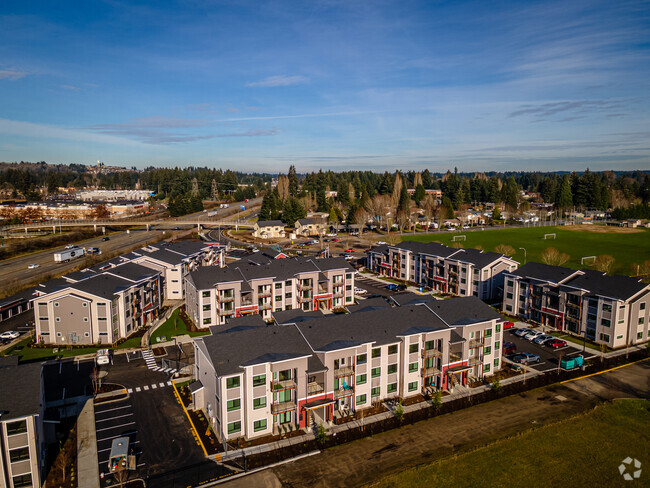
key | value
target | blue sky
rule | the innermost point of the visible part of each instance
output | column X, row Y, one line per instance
column 327, row 84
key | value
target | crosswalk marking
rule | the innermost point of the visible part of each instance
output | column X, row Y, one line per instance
column 137, row 388
column 154, row 386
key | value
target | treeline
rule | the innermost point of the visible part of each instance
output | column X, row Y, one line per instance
column 640, row 211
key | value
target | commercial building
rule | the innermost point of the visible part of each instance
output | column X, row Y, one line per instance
column 609, row 310
column 255, row 380
column 460, row 272
column 215, row 294
column 21, row 424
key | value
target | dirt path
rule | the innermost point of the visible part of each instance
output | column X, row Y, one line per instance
column 372, row 458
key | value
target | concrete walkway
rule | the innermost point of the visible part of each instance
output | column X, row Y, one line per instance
column 87, row 460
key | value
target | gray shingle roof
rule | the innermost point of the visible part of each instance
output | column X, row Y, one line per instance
column 404, row 299
column 133, row 272
column 103, row 285
column 21, row 390
column 369, row 304
column 477, row 257
column 464, row 311
column 544, row 272
column 269, row 223
column 295, row 316
column 616, row 286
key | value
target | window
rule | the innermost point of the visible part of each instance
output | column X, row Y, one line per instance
column 19, row 454
column 361, row 399
column 234, row 405
column 498, row 328
column 234, row 427
column 392, row 388
column 376, row 352
column 642, row 306
column 487, row 350
column 641, row 320
column 259, row 403
column 413, row 348
column 509, row 296
column 496, row 363
column 497, row 345
column 607, row 307
column 392, row 368
column 206, row 307
column 619, row 336
column 232, row 382
column 508, row 308
column 348, row 276
column 284, row 418
column 639, row 336
column 413, row 386
column 259, row 425
column 604, row 337
column 18, row 427
column 205, row 294
column 486, row 368
column 488, row 332
column 22, row 480
column 278, row 298
column 375, row 372
column 413, row 367
column 278, row 286
column 374, row 392
column 362, row 359
column 605, row 322
column 362, row 379
column 259, row 380
column 206, row 321
column 287, row 295
column 392, row 349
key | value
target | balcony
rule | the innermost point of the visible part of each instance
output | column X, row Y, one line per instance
column 225, row 298
column 455, row 356
column 430, row 371
column 264, row 306
column 431, row 353
column 304, row 286
column 314, row 388
column 264, row 293
column 302, row 298
column 473, row 343
column 283, row 385
column 343, row 392
column 345, row 371
column 246, row 303
column 279, row 407
column 473, row 361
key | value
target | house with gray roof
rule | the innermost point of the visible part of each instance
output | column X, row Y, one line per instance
column 459, row 272
column 609, row 310
column 311, row 368
column 312, row 227
column 215, row 294
column 269, row 229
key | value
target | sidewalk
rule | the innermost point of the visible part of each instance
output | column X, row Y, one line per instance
column 87, row 458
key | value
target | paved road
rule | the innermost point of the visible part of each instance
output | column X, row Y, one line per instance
column 370, row 459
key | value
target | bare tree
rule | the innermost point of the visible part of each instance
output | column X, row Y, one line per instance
column 397, row 190
column 552, row 256
column 403, row 219
column 361, row 217
column 429, row 207
column 283, row 187
column 605, row 263
column 505, row 249
column 417, row 180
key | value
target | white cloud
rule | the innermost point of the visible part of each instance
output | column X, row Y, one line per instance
column 70, row 87
column 280, row 80
column 12, row 74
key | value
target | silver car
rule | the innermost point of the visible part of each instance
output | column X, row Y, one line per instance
column 533, row 334
column 541, row 339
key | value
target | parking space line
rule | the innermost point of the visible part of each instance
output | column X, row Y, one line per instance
column 113, row 418
column 116, row 426
column 126, row 434
column 161, row 385
column 108, row 448
column 111, row 409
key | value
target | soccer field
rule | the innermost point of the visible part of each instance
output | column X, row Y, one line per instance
column 627, row 246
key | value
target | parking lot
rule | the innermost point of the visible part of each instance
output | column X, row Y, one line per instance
column 549, row 357
column 113, row 420
column 373, row 287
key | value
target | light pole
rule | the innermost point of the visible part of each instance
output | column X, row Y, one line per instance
column 523, row 249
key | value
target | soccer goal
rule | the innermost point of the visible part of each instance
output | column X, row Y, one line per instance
column 549, row 236
column 585, row 260
column 458, row 238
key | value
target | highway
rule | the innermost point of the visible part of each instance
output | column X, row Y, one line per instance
column 14, row 272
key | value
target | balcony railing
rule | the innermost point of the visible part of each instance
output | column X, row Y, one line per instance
column 430, row 371
column 455, row 357
column 473, row 361
column 264, row 306
column 343, row 392
column 265, row 293
column 345, row 371
column 223, row 298
column 283, row 385
column 431, row 353
column 314, row 389
column 279, row 407
column 476, row 342
column 304, row 299
column 304, row 286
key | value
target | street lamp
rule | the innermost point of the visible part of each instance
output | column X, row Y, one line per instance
column 523, row 249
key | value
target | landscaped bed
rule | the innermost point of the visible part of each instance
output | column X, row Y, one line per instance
column 177, row 324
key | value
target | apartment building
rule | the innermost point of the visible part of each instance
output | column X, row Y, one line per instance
column 215, row 294
column 268, row 229
column 460, row 272
column 255, row 380
column 21, row 424
column 97, row 308
column 610, row 310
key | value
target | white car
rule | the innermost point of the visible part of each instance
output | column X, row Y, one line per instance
column 533, row 334
column 33, row 266
column 360, row 291
column 70, row 246
column 103, row 356
column 348, row 257
column 10, row 334
column 381, row 243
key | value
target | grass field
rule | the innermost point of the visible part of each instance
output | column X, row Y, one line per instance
column 585, row 450
column 627, row 248
column 173, row 326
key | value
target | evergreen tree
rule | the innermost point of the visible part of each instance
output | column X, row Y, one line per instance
column 293, row 181
column 419, row 194
column 565, row 195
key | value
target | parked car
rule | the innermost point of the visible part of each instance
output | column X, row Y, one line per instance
column 70, row 246
column 348, row 257
column 541, row 339
column 508, row 325
column 524, row 358
column 9, row 335
column 33, row 266
column 555, row 343
column 360, row 291
column 103, row 356
column 106, row 238
column 350, row 250
column 522, row 332
column 381, row 243
column 335, row 239
column 509, row 348
column 533, row 334
column 395, row 287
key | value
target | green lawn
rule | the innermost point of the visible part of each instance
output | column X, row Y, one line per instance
column 173, row 326
column 585, row 450
column 627, row 249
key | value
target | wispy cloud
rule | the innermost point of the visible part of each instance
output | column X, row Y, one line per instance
column 546, row 110
column 12, row 74
column 280, row 80
column 70, row 87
